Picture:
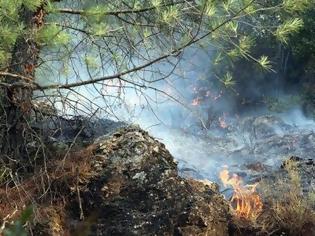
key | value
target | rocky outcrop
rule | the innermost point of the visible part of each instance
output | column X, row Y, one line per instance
column 127, row 183
column 135, row 190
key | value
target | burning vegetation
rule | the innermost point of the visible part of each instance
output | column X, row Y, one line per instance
column 223, row 72
column 126, row 172
column 245, row 201
column 280, row 207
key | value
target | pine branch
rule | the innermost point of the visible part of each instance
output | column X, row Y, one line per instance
column 26, row 82
column 172, row 53
column 116, row 13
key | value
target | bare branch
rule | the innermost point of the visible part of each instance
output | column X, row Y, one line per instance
column 16, row 76
column 20, row 85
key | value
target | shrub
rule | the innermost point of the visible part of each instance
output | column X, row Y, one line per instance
column 289, row 209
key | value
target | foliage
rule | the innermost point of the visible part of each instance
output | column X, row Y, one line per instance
column 32, row 4
column 264, row 62
column 228, row 80
column 288, row 28
column 152, row 28
column 297, row 6
column 278, row 40
column 13, row 27
column 52, row 35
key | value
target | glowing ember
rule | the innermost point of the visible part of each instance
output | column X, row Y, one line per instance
column 246, row 202
column 196, row 102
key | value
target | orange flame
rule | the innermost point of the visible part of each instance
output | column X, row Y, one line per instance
column 245, row 202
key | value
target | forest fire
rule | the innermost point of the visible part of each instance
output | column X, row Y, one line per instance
column 245, row 202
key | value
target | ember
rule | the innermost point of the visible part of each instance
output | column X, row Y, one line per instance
column 196, row 101
column 245, row 202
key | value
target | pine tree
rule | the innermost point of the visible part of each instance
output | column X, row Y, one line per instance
column 117, row 40
column 18, row 61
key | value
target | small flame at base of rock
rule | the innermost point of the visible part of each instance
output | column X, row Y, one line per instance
column 245, row 202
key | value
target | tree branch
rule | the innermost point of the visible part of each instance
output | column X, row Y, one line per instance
column 16, row 76
column 19, row 85
column 116, row 13
column 172, row 53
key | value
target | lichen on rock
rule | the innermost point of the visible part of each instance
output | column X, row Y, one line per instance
column 136, row 190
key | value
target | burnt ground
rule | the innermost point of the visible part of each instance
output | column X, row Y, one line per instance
column 127, row 183
column 251, row 147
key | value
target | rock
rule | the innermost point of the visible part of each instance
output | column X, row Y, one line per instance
column 77, row 128
column 266, row 126
column 136, row 190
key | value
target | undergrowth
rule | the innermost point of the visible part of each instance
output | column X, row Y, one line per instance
column 47, row 190
column 291, row 208
column 288, row 210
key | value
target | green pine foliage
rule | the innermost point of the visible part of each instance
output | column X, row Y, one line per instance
column 10, row 28
column 32, row 5
column 52, row 35
column 289, row 27
column 148, row 29
column 276, row 22
column 297, row 6
column 17, row 228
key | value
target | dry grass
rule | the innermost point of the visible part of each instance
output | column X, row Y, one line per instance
column 46, row 190
column 287, row 210
column 290, row 210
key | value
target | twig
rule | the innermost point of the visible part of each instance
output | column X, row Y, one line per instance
column 6, row 218
column 174, row 53
column 16, row 76
column 79, row 197
column 115, row 13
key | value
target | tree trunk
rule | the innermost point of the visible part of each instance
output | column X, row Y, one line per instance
column 16, row 101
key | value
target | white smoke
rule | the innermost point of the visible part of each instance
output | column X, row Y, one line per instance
column 175, row 120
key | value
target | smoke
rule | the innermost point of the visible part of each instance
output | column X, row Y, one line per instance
column 200, row 123
column 208, row 134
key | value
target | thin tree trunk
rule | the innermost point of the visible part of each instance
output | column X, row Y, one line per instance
column 16, row 101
